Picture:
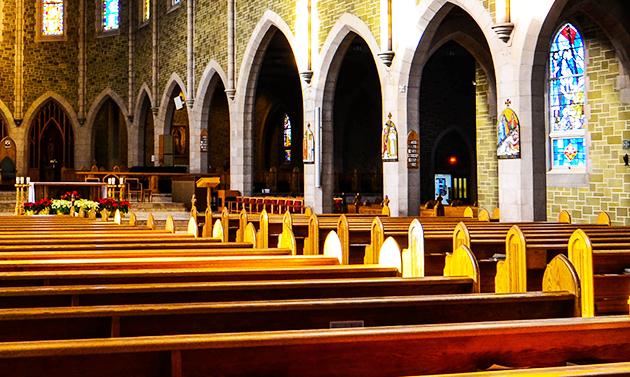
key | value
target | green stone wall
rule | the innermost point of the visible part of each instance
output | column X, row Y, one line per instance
column 107, row 56
column 249, row 14
column 172, row 50
column 210, row 35
column 143, row 57
column 609, row 186
column 51, row 66
column 487, row 164
column 329, row 11
column 7, row 51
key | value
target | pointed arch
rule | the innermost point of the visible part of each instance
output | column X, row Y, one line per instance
column 166, row 104
column 6, row 114
column 143, row 108
column 242, row 151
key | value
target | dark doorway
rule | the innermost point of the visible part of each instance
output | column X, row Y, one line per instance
column 110, row 137
column 448, row 122
column 278, row 121
column 357, row 123
column 51, row 144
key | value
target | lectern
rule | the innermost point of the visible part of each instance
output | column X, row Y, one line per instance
column 209, row 183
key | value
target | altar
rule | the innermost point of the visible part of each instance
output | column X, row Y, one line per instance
column 54, row 190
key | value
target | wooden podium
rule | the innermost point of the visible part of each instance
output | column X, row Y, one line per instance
column 209, row 183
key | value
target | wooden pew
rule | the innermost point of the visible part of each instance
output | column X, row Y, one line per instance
column 161, row 319
column 601, row 263
column 599, row 369
column 395, row 350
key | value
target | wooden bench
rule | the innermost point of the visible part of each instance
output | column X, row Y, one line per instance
column 395, row 350
column 605, row 369
column 600, row 262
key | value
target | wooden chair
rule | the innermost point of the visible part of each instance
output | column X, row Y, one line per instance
column 134, row 186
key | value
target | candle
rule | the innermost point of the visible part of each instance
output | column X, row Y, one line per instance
column 121, row 180
column 28, row 180
column 17, row 180
column 21, row 180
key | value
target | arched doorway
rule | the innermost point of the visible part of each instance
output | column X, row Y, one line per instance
column 146, row 147
column 278, row 118
column 176, row 140
column 218, row 158
column 357, row 124
column 109, row 135
column 447, row 102
column 51, row 144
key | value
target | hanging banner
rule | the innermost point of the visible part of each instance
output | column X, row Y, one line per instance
column 508, row 135
column 389, row 149
column 413, row 148
column 308, row 145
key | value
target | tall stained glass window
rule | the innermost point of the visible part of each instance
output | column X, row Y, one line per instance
column 111, row 15
column 567, row 98
column 286, row 135
column 52, row 17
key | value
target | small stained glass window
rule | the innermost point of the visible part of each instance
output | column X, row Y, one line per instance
column 567, row 97
column 287, row 138
column 146, row 10
column 175, row 2
column 110, row 15
column 52, row 17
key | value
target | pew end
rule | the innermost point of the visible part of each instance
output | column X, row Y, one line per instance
column 82, row 212
column 581, row 255
column 192, row 226
column 560, row 275
column 263, row 231
column 389, row 255
column 603, row 218
column 242, row 224
column 332, row 246
column 564, row 217
column 511, row 276
column 170, row 224
column 133, row 219
column 104, row 215
column 496, row 214
column 92, row 214
column 484, row 215
column 151, row 222
column 286, row 240
column 413, row 256
column 218, row 231
column 464, row 263
column 117, row 217
column 249, row 235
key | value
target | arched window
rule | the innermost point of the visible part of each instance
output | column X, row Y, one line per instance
column 286, row 135
column 567, row 127
column 111, row 15
column 146, row 10
column 51, row 19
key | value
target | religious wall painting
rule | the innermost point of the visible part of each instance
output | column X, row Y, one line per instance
column 308, row 145
column 286, row 137
column 508, row 135
column 389, row 141
column 179, row 140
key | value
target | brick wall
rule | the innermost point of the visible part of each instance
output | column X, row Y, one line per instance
column 609, row 186
column 173, row 31
column 107, row 56
column 487, row 164
column 329, row 12
column 51, row 66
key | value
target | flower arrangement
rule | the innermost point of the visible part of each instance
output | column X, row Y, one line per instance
column 63, row 206
column 111, row 205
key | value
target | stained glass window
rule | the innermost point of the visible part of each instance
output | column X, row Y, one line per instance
column 287, row 138
column 146, row 10
column 175, row 2
column 52, row 17
column 567, row 97
column 110, row 14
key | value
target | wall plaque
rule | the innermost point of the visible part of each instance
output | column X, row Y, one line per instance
column 413, row 148
column 204, row 141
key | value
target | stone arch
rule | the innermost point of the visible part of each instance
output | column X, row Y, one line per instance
column 242, row 114
column 81, row 136
column 96, row 107
column 6, row 114
column 166, row 105
column 442, row 135
column 331, row 58
column 137, row 129
column 212, row 76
